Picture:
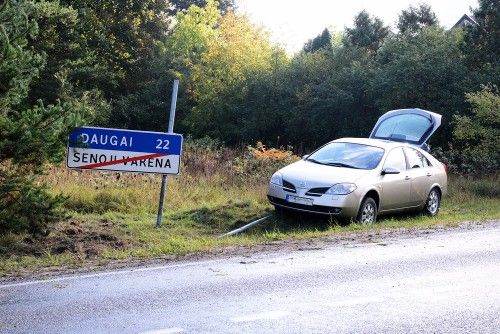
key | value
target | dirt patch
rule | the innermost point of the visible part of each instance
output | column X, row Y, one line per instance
column 87, row 240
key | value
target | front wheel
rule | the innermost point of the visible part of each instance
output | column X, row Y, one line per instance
column 433, row 203
column 280, row 211
column 367, row 213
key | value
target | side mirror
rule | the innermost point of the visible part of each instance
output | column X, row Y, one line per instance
column 304, row 157
column 390, row 170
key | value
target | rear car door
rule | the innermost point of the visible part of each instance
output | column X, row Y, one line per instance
column 420, row 172
column 413, row 126
column 395, row 187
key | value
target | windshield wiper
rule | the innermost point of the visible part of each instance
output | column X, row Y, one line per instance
column 340, row 164
column 335, row 164
column 315, row 161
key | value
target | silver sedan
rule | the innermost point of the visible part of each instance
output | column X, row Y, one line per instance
column 362, row 177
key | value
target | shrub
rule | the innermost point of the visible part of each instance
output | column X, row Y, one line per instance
column 464, row 163
column 25, row 206
column 486, row 188
column 477, row 137
column 260, row 161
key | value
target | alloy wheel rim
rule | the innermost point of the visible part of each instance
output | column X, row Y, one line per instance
column 368, row 214
column 433, row 202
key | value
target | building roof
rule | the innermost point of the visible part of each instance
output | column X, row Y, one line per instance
column 465, row 21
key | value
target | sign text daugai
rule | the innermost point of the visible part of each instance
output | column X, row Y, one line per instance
column 124, row 150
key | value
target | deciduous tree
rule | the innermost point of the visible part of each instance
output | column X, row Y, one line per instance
column 237, row 51
column 426, row 70
column 414, row 19
column 182, row 5
column 121, row 36
column 477, row 136
column 482, row 41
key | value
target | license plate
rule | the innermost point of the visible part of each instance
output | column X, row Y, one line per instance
column 299, row 200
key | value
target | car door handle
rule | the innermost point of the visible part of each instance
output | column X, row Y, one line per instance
column 407, row 177
column 429, row 174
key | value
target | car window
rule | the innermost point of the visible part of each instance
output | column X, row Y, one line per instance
column 348, row 155
column 396, row 159
column 416, row 159
column 407, row 127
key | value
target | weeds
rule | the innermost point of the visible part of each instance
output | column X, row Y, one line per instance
column 220, row 189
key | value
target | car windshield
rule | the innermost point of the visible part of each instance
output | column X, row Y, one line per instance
column 348, row 155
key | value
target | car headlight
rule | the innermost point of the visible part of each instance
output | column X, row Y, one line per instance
column 341, row 189
column 277, row 179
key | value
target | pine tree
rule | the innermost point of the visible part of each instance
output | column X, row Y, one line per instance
column 368, row 32
column 321, row 42
column 30, row 134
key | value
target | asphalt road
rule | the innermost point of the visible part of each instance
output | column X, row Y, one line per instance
column 446, row 282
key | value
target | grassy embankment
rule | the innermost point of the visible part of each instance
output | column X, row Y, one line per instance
column 112, row 216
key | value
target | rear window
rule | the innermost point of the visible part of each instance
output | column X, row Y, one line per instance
column 416, row 159
column 406, row 127
column 348, row 155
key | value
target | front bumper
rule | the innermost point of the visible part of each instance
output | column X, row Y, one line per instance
column 340, row 205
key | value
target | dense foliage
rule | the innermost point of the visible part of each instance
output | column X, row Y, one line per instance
column 64, row 63
column 477, row 136
column 238, row 87
column 414, row 19
column 31, row 133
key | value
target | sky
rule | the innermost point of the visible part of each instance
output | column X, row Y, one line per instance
column 293, row 22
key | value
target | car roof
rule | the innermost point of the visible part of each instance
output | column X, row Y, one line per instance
column 386, row 144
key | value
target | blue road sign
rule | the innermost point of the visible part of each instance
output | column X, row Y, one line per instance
column 124, row 150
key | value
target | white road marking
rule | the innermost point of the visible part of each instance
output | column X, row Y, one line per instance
column 272, row 315
column 165, row 331
column 356, row 301
column 110, row 273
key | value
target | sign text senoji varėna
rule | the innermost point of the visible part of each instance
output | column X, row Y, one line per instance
column 124, row 150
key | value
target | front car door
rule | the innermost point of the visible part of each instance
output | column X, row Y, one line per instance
column 395, row 187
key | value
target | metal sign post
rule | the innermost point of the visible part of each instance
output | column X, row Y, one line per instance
column 163, row 189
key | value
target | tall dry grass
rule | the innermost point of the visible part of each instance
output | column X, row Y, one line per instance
column 219, row 189
column 210, row 176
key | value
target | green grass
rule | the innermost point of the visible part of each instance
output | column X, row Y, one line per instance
column 113, row 216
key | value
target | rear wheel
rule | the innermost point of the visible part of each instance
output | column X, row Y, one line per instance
column 367, row 213
column 433, row 203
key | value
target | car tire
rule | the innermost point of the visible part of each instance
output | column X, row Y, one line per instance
column 432, row 203
column 367, row 213
column 280, row 211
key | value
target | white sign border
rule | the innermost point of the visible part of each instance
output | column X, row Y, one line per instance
column 123, row 171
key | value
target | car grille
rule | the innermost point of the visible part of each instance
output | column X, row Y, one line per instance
column 316, row 192
column 309, row 208
column 287, row 186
